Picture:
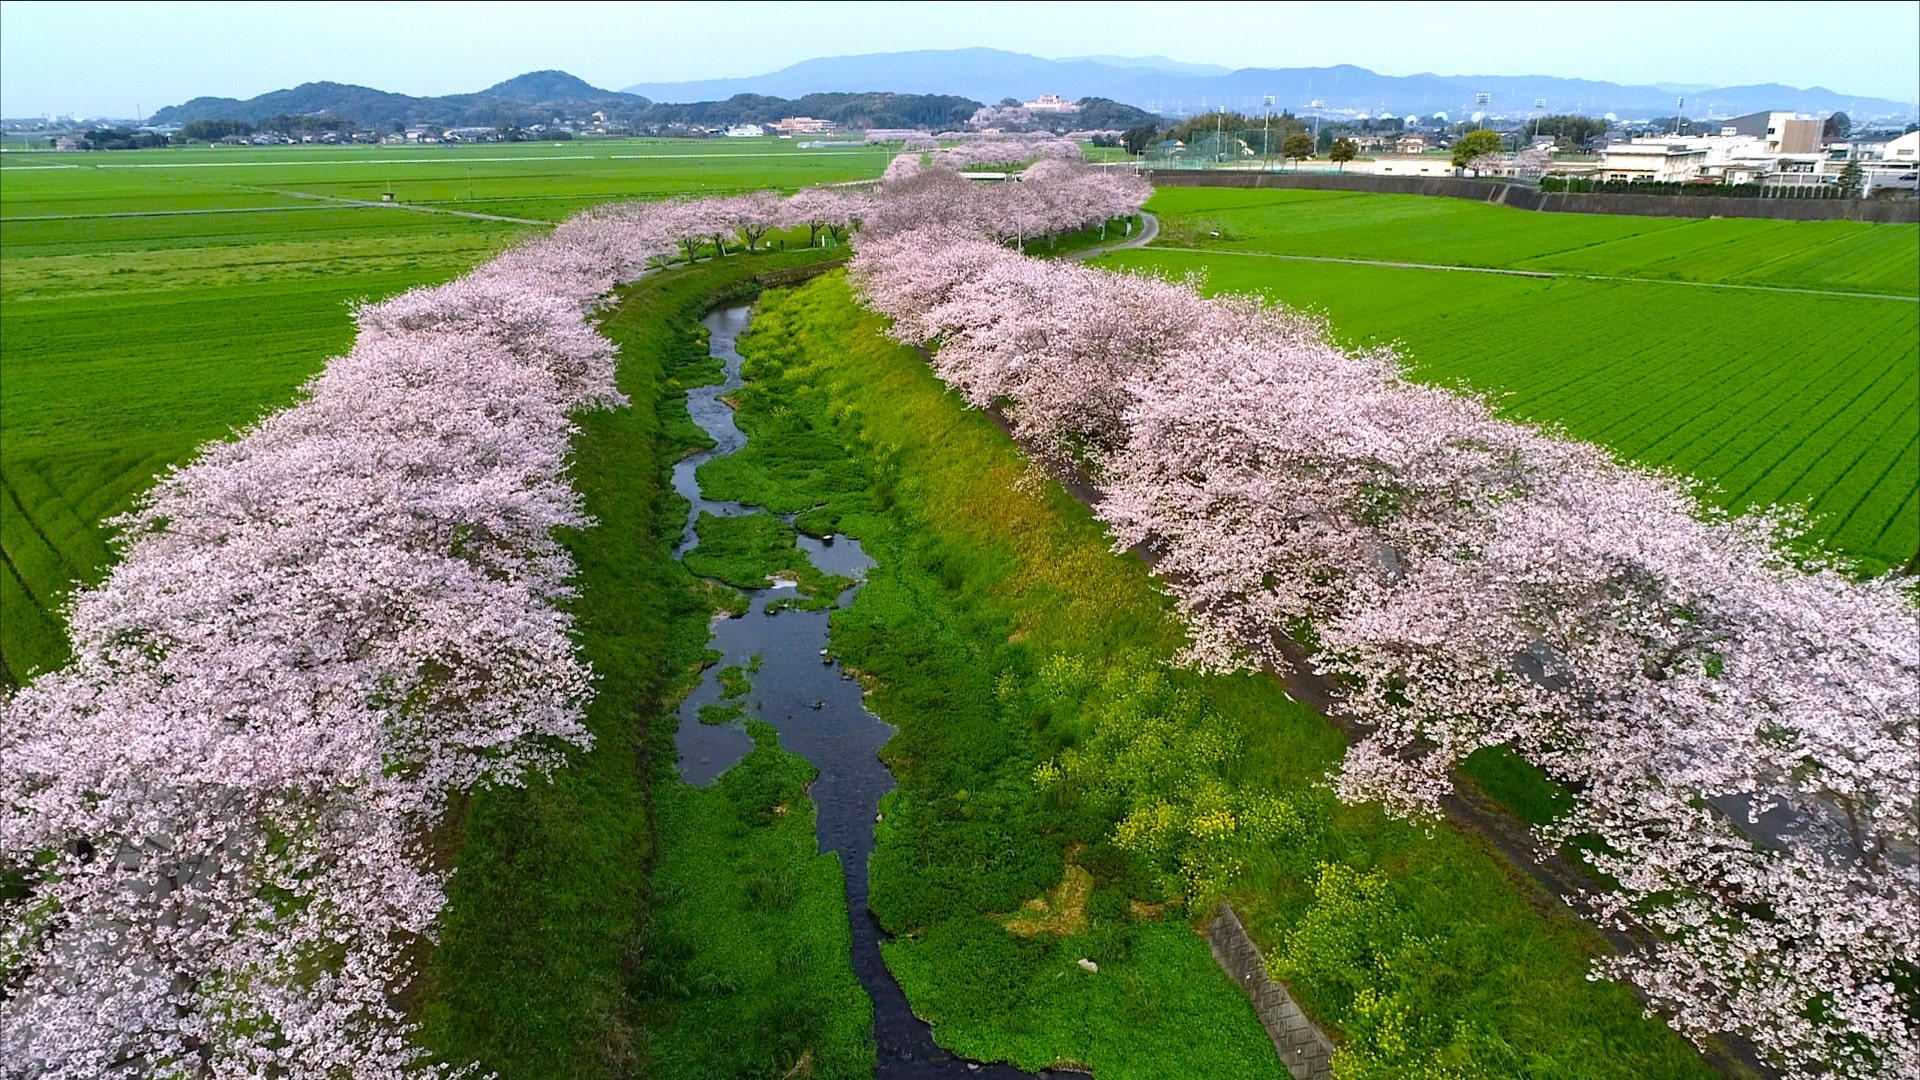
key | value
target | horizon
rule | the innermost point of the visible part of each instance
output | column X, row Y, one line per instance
column 140, row 58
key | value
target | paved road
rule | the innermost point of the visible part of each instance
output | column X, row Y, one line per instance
column 1149, row 228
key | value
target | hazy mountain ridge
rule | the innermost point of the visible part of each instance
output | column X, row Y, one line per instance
column 541, row 96
column 1161, row 85
column 531, row 98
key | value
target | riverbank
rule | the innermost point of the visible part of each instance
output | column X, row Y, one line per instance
column 562, row 953
column 1025, row 666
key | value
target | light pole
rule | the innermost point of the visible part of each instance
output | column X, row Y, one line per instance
column 1266, row 135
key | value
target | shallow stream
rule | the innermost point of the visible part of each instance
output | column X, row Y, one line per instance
column 818, row 710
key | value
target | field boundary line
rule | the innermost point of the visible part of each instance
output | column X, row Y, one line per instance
column 1549, row 274
column 335, row 161
column 414, row 207
column 157, row 213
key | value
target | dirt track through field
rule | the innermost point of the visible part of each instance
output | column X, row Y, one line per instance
column 1513, row 273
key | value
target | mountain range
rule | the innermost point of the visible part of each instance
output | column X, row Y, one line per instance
column 1173, row 88
column 942, row 87
column 543, row 96
column 529, row 98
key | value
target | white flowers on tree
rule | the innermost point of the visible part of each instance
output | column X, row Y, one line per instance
column 321, row 631
column 317, row 634
column 1742, row 730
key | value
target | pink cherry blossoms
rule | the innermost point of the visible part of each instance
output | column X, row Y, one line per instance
column 318, row 633
column 1742, row 730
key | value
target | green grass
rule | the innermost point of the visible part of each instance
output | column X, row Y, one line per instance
column 125, row 342
column 1770, row 398
column 559, row 955
column 749, row 551
column 1847, row 256
column 1004, row 639
column 747, row 973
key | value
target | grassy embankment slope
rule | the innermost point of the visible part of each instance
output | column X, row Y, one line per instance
column 616, row 920
column 1773, row 397
column 127, row 341
column 1004, row 639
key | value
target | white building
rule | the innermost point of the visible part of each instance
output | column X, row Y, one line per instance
column 745, row 131
column 1895, row 164
column 1660, row 160
column 1050, row 103
column 803, row 125
column 1778, row 132
column 1407, row 165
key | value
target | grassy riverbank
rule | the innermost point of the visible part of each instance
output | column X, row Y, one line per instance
column 560, row 955
column 1047, row 752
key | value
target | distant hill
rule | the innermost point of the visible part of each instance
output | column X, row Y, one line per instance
column 535, row 97
column 545, row 86
column 1169, row 87
column 542, row 96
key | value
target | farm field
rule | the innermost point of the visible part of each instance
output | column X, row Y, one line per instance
column 1844, row 256
column 1822, row 413
column 125, row 341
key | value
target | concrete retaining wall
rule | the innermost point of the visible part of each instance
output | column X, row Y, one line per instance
column 1304, row 1049
column 1525, row 197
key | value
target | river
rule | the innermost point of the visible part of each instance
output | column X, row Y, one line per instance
column 819, row 712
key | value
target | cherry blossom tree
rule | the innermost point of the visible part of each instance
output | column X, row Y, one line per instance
column 1740, row 724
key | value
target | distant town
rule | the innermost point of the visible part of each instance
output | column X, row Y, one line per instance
column 1773, row 151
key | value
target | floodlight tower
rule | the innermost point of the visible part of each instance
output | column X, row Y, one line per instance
column 1266, row 136
column 1480, row 103
column 1539, row 105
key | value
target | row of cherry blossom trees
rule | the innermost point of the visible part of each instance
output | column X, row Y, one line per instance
column 213, row 821
column 1741, row 725
column 1049, row 197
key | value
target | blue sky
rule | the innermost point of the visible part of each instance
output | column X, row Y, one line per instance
column 95, row 59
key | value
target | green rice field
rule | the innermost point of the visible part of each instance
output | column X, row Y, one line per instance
column 152, row 300
column 1767, row 396
column 1844, row 256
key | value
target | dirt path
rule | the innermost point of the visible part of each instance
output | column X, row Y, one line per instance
column 474, row 214
column 319, row 202
column 1514, row 273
